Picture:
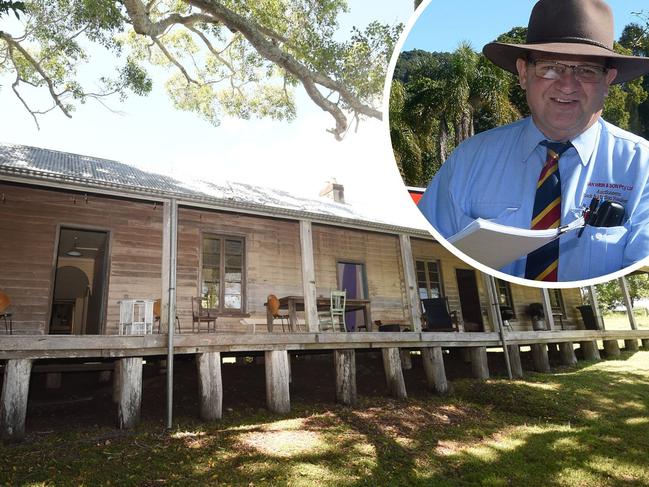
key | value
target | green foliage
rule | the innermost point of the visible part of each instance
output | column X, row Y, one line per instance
column 610, row 293
column 445, row 97
column 238, row 58
column 7, row 5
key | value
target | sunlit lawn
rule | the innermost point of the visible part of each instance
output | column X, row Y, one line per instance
column 586, row 426
column 619, row 320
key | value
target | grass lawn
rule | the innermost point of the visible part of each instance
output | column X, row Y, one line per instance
column 619, row 320
column 583, row 426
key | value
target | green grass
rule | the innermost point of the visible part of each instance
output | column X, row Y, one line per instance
column 584, row 426
column 619, row 320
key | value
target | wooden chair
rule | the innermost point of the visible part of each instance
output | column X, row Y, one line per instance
column 335, row 317
column 157, row 304
column 4, row 314
column 273, row 308
column 201, row 315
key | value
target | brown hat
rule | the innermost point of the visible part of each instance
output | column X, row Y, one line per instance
column 573, row 27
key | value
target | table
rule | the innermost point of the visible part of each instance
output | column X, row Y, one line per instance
column 296, row 303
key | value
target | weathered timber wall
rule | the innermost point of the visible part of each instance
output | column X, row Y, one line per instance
column 382, row 259
column 272, row 260
column 29, row 219
column 521, row 295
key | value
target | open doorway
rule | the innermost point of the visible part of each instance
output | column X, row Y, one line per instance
column 80, row 282
column 467, row 286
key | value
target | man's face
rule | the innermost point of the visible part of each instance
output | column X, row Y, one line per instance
column 565, row 107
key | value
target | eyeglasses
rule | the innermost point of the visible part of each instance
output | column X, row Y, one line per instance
column 586, row 73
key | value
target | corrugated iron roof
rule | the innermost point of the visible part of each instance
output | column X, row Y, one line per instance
column 44, row 166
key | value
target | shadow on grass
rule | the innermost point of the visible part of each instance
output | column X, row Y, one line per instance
column 581, row 426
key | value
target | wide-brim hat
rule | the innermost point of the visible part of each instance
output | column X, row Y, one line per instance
column 569, row 27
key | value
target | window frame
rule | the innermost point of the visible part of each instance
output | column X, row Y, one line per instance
column 438, row 264
column 222, row 310
column 509, row 297
column 561, row 309
column 366, row 290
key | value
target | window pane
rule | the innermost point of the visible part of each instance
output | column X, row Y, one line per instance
column 233, row 247
column 428, row 279
column 233, row 301
column 233, row 261
column 232, row 275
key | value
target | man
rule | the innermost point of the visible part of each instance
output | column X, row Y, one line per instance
column 543, row 171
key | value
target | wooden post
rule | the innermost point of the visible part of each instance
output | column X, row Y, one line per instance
column 406, row 359
column 594, row 302
column 129, row 396
column 433, row 360
column 210, row 386
column 514, row 352
column 479, row 364
column 631, row 345
column 15, row 390
column 589, row 350
column 53, row 380
column 567, row 353
column 278, row 398
column 645, row 343
column 627, row 303
column 540, row 357
column 393, row 373
column 611, row 348
column 345, row 365
column 308, row 277
column 547, row 309
column 410, row 277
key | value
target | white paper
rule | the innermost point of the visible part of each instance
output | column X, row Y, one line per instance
column 497, row 245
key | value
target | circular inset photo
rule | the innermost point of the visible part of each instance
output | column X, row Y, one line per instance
column 525, row 126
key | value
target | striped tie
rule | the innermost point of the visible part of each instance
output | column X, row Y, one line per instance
column 543, row 263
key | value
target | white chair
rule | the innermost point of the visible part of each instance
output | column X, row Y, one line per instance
column 334, row 318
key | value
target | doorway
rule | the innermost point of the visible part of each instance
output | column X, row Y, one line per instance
column 80, row 282
column 351, row 278
column 469, row 299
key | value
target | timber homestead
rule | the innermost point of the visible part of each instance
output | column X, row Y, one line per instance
column 105, row 263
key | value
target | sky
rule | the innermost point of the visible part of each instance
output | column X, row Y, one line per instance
column 442, row 25
column 299, row 156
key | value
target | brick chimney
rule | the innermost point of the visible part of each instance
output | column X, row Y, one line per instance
column 334, row 191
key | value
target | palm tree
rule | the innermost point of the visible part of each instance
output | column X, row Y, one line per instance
column 440, row 105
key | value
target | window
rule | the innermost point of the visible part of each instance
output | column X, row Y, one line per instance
column 505, row 295
column 222, row 273
column 429, row 281
column 556, row 301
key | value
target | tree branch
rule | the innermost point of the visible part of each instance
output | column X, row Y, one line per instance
column 50, row 84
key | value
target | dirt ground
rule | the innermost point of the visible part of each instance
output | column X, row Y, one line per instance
column 83, row 399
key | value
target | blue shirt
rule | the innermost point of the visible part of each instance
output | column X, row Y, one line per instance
column 493, row 175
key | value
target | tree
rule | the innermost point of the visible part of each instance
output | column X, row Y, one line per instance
column 446, row 96
column 238, row 58
column 610, row 293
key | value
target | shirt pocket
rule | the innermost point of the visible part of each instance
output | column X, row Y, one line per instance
column 605, row 250
column 498, row 211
